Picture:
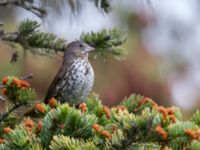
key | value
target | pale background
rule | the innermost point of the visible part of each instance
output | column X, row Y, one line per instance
column 163, row 60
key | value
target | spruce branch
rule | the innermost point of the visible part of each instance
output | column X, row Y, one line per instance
column 39, row 42
column 27, row 77
column 63, row 142
column 67, row 121
column 17, row 92
column 106, row 41
column 21, row 138
column 64, row 127
column 29, row 37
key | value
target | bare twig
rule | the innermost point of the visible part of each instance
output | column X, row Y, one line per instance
column 2, row 86
column 1, row 23
column 25, row 4
column 14, row 57
column 27, row 77
column 2, row 98
column 35, row 10
column 5, row 115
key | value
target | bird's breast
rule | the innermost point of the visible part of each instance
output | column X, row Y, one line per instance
column 80, row 78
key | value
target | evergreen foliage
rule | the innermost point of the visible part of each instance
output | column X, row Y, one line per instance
column 38, row 42
column 18, row 91
column 31, row 38
column 137, row 123
column 106, row 41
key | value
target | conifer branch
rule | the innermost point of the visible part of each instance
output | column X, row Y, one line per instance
column 107, row 41
column 27, row 77
column 30, row 37
column 94, row 126
column 18, row 93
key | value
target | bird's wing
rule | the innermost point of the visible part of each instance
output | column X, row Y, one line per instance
column 52, row 91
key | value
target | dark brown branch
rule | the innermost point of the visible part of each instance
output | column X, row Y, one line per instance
column 2, row 86
column 2, row 98
column 1, row 23
column 14, row 57
column 5, row 115
column 35, row 10
column 25, row 4
column 27, row 77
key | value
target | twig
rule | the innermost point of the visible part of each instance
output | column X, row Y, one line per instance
column 2, row 86
column 27, row 77
column 14, row 57
column 37, row 11
column 5, row 115
column 2, row 98
column 26, row 4
column 1, row 23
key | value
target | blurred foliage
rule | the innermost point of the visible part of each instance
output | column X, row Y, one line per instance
column 40, row 8
column 28, row 5
column 105, row 5
column 77, row 5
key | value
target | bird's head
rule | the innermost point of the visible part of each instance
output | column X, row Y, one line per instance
column 77, row 49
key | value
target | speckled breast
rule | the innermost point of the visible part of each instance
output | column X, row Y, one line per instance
column 80, row 78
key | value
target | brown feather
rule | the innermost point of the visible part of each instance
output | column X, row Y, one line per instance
column 52, row 91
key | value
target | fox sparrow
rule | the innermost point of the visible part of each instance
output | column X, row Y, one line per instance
column 74, row 79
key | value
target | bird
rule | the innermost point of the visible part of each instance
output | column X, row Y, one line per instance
column 74, row 80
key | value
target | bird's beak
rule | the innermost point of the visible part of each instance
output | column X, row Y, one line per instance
column 89, row 49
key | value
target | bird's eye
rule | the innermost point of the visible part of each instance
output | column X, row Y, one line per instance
column 81, row 45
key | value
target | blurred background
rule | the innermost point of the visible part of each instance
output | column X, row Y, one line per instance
column 163, row 44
